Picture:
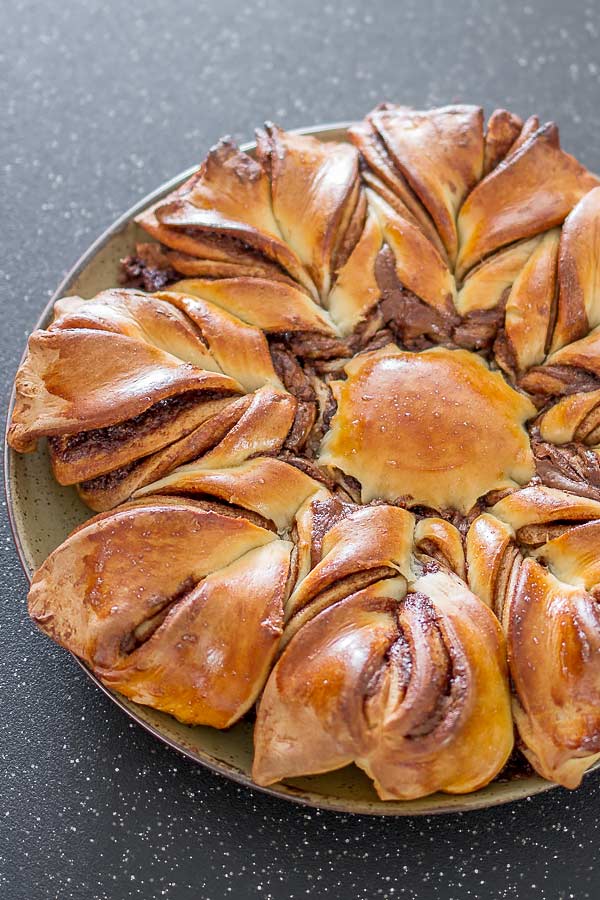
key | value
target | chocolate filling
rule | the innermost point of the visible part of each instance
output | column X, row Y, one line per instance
column 434, row 558
column 436, row 705
column 504, row 355
column 398, row 666
column 351, row 234
column 516, row 767
column 588, row 430
column 556, row 381
column 291, row 373
column 536, row 535
column 337, row 591
column 148, row 269
column 111, row 479
column 414, row 323
column 144, row 631
column 479, row 328
column 234, row 247
column 325, row 515
column 350, row 485
column 568, row 467
column 75, row 446
column 309, row 467
column 371, row 333
column 403, row 317
column 326, row 408
column 304, row 420
column 312, row 345
column 504, row 577
column 223, row 508
column 222, row 241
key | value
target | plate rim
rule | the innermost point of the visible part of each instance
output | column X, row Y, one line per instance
column 446, row 803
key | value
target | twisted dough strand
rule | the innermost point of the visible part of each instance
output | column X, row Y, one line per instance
column 412, row 317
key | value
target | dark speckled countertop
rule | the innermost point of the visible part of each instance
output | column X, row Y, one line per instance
column 105, row 100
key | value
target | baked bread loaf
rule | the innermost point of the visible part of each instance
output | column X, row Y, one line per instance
column 342, row 430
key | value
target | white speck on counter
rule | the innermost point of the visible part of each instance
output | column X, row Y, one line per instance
column 105, row 101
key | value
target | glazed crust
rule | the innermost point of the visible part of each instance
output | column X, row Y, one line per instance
column 256, row 423
column 62, row 383
column 267, row 486
column 312, row 186
column 147, row 629
column 222, row 210
column 513, row 203
column 548, row 607
column 272, row 306
column 530, row 306
column 345, row 447
column 387, row 685
column 440, row 153
column 231, row 561
column 579, row 272
column 436, row 429
column 503, row 129
column 387, row 180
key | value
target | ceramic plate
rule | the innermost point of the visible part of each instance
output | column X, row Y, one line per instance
column 42, row 514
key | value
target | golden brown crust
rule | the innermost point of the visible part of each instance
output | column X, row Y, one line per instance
column 228, row 198
column 554, row 646
column 548, row 607
column 255, row 424
column 490, row 559
column 530, row 305
column 311, row 715
column 273, row 306
column 263, row 428
column 503, row 129
column 513, row 203
column 62, row 386
column 579, row 272
column 92, row 453
column 431, row 280
column 311, row 188
column 439, row 540
column 530, row 127
column 440, row 153
column 189, row 328
column 386, row 179
column 151, row 319
column 274, row 415
column 356, row 290
column 538, row 504
column 572, row 418
column 148, row 629
column 490, row 282
column 362, row 540
column 583, row 354
column 193, row 267
column 435, row 428
column 267, row 486
column 239, row 349
column 117, row 485
column 401, row 689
